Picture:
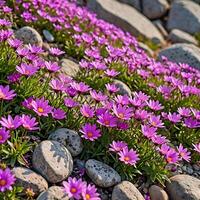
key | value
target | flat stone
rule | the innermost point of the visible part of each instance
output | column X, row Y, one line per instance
column 123, row 88
column 145, row 48
column 184, row 15
column 53, row 193
column 127, row 18
column 183, row 53
column 69, row 67
column 134, row 3
column 178, row 36
column 69, row 139
column 27, row 178
column 48, row 36
column 157, row 193
column 183, row 187
column 158, row 23
column 52, row 160
column 29, row 36
column 101, row 174
column 126, row 191
column 154, row 9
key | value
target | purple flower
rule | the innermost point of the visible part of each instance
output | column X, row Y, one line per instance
column 112, row 88
column 15, row 43
column 197, row 147
column 172, row 156
column 4, row 135
column 98, row 96
column 196, row 113
column 106, row 119
column 184, row 154
column 90, row 193
column 156, row 121
column 164, row 149
column 124, row 100
column 27, row 70
column 159, row 139
column 70, row 103
column 29, row 123
column 174, row 117
column 122, row 125
column 191, row 123
column 111, row 72
column 14, row 77
column 27, row 103
column 122, row 112
column 7, row 179
column 90, row 132
column 185, row 112
column 87, row 111
column 6, row 93
column 149, row 131
column 80, row 87
column 129, row 157
column 58, row 113
column 52, row 66
column 154, row 105
column 74, row 187
column 56, row 85
column 56, row 51
column 11, row 123
column 117, row 146
column 41, row 107
column 142, row 96
column 141, row 114
column 136, row 102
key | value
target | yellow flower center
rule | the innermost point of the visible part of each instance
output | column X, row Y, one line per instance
column 40, row 110
column 73, row 190
column 169, row 159
column 2, row 96
column 90, row 134
column 121, row 115
column 126, row 158
column 1, row 137
column 27, row 72
column 107, row 122
column 2, row 182
column 153, row 123
column 182, row 154
column 87, row 196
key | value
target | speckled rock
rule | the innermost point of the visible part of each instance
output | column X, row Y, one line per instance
column 52, row 160
column 154, row 9
column 127, row 18
column 178, row 36
column 126, row 191
column 184, row 15
column 69, row 67
column 183, row 187
column 157, row 193
column 29, row 179
column 123, row 88
column 29, row 36
column 69, row 139
column 101, row 174
column 134, row 3
column 48, row 36
column 184, row 53
column 53, row 193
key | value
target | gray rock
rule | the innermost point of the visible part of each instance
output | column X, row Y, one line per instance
column 101, row 174
column 29, row 36
column 154, row 9
column 183, row 187
column 123, row 88
column 127, row 18
column 134, row 3
column 145, row 48
column 69, row 67
column 157, row 193
column 158, row 23
column 48, row 36
column 196, row 167
column 184, row 15
column 27, row 178
column 126, row 191
column 52, row 160
column 69, row 139
column 178, row 36
column 53, row 193
column 184, row 53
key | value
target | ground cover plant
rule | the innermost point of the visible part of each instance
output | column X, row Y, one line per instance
column 136, row 133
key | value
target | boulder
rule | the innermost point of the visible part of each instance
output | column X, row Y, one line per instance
column 134, row 3
column 123, row 88
column 126, row 17
column 184, row 15
column 48, row 36
column 145, row 48
column 159, row 24
column 183, row 53
column 183, row 187
column 157, row 193
column 52, row 160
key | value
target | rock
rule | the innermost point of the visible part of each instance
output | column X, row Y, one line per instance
column 69, row 139
column 145, row 48
column 27, row 178
column 184, row 53
column 53, row 193
column 52, row 160
column 29, row 36
column 48, row 36
column 184, row 15
column 157, row 193
column 155, row 8
column 69, row 67
column 123, row 88
column 127, row 18
column 126, row 191
column 134, row 3
column 178, row 36
column 101, row 174
column 196, row 167
column 183, row 187
column 158, row 23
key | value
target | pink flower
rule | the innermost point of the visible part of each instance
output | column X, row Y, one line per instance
column 4, row 135
column 117, row 146
column 129, row 157
column 90, row 132
column 56, row 85
column 29, row 123
column 154, row 105
column 124, row 100
column 6, row 93
column 90, row 193
column 112, row 88
column 58, row 113
column 184, row 154
column 26, row 69
column 149, row 131
column 11, row 123
column 80, row 87
column 70, row 103
column 141, row 114
column 56, row 51
column 156, row 121
column 185, row 112
column 174, row 117
column 98, row 96
column 164, row 149
column 27, row 103
column 106, row 119
column 191, row 123
column 87, row 111
column 52, row 66
column 14, row 77
column 7, row 179
column 111, row 72
column 197, row 147
column 159, row 139
column 172, row 156
column 122, row 112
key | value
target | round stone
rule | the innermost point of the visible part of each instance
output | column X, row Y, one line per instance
column 53, row 161
column 28, row 179
column 157, row 193
column 69, row 139
column 48, row 36
column 102, row 174
column 123, row 88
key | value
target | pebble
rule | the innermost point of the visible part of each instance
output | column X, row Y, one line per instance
column 123, row 88
column 157, row 193
column 48, row 36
